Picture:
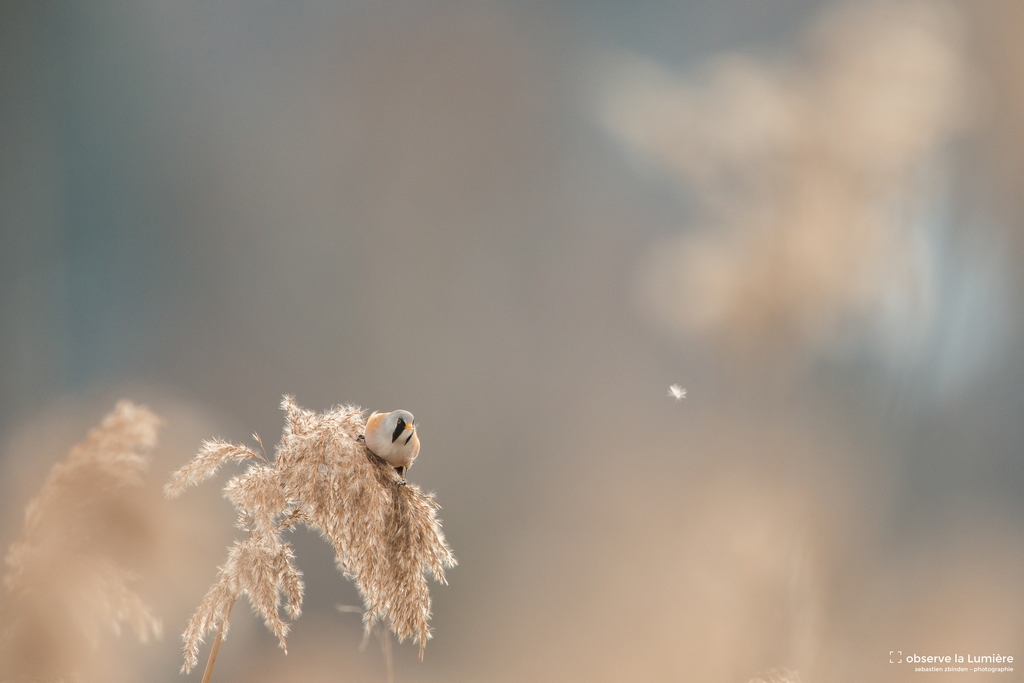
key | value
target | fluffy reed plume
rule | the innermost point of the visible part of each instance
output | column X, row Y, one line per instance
column 386, row 535
column 815, row 180
column 66, row 577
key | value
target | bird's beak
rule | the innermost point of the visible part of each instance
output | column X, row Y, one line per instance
column 408, row 425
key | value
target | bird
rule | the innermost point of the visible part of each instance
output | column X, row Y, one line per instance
column 392, row 438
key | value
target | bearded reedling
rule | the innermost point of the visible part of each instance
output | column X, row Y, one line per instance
column 392, row 438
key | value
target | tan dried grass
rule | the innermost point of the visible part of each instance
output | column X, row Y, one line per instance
column 386, row 535
column 67, row 577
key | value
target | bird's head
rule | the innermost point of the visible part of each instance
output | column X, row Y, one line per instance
column 399, row 424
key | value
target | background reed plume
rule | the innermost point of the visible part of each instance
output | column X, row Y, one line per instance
column 386, row 535
column 67, row 574
column 776, row 676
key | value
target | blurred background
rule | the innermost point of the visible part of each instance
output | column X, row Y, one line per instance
column 523, row 222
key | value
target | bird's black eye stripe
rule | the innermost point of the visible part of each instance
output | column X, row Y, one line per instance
column 408, row 439
column 399, row 428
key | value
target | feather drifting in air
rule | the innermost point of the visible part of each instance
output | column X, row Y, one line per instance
column 677, row 392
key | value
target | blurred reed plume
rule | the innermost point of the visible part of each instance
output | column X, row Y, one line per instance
column 386, row 535
column 776, row 676
column 67, row 575
column 817, row 182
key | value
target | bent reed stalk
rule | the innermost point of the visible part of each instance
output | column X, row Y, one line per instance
column 208, row 672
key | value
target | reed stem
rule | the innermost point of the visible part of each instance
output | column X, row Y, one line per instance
column 216, row 646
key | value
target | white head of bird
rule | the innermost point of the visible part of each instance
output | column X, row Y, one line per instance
column 392, row 437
